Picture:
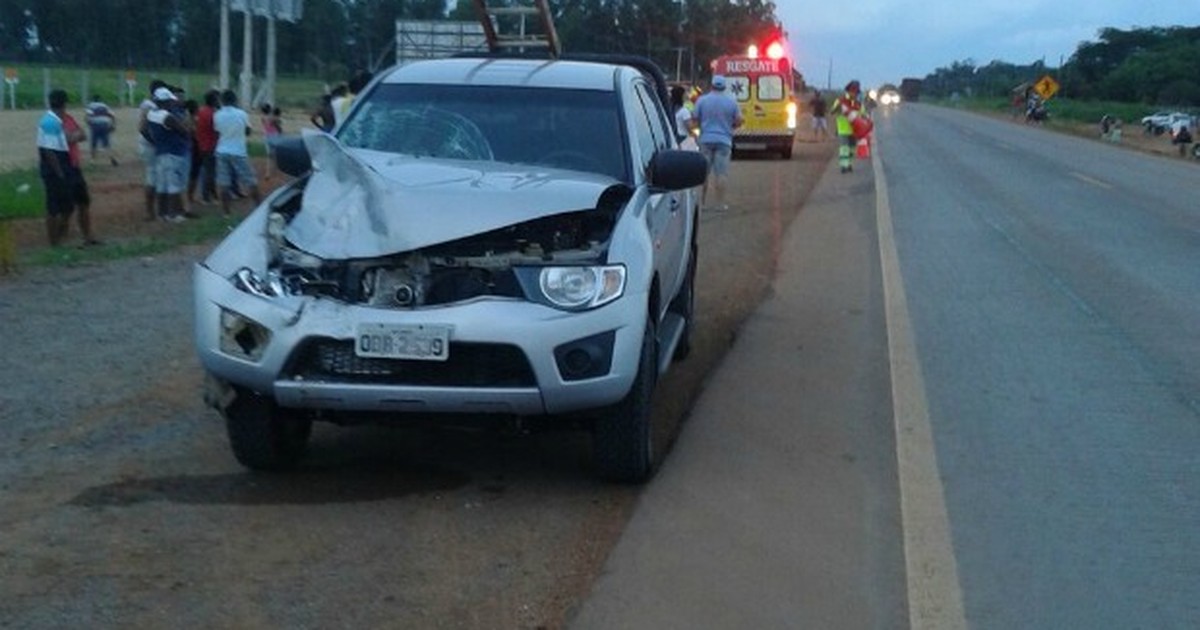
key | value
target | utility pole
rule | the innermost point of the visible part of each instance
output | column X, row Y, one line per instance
column 224, row 78
column 269, row 88
column 247, row 58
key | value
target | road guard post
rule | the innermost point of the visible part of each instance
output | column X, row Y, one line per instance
column 10, row 81
column 130, row 84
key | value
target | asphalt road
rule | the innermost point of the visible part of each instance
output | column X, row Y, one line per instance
column 1054, row 289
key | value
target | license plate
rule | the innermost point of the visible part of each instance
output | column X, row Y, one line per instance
column 752, row 146
column 423, row 342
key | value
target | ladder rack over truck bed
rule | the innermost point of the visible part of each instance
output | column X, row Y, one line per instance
column 498, row 18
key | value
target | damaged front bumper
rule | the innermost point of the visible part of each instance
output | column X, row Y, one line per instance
column 506, row 355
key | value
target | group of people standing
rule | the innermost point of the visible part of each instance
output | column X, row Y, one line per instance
column 185, row 145
column 716, row 115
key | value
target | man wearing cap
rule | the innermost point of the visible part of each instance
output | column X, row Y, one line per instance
column 146, row 149
column 169, row 130
column 717, row 115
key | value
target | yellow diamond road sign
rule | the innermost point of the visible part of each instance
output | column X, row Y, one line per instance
column 1046, row 88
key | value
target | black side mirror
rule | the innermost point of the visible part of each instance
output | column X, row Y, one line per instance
column 674, row 169
column 291, row 156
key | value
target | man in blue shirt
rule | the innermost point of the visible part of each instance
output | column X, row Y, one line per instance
column 717, row 115
column 170, row 133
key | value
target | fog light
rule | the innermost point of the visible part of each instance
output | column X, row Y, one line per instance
column 577, row 361
column 243, row 337
column 589, row 357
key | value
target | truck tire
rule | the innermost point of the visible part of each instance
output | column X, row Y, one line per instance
column 684, row 305
column 264, row 436
column 623, row 438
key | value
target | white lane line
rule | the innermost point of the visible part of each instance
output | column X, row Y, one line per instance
column 1091, row 180
column 934, row 593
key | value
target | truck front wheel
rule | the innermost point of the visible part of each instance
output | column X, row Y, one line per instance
column 623, row 438
column 263, row 435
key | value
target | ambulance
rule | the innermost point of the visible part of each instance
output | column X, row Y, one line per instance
column 764, row 87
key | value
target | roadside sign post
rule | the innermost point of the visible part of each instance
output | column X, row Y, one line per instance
column 11, row 80
column 130, row 84
column 1046, row 87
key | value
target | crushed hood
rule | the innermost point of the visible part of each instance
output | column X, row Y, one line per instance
column 362, row 204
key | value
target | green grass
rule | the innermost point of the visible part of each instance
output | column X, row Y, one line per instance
column 109, row 83
column 207, row 229
column 21, row 194
column 1061, row 109
column 1092, row 111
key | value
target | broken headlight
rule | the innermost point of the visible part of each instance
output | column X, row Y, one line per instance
column 250, row 282
column 242, row 337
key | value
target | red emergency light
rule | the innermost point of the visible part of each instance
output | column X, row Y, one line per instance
column 775, row 50
column 774, row 47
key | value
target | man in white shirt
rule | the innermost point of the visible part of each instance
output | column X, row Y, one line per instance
column 58, row 138
column 232, row 158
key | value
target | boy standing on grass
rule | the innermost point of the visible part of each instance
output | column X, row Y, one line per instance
column 58, row 138
column 101, row 122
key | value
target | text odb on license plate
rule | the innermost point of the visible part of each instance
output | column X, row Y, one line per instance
column 424, row 342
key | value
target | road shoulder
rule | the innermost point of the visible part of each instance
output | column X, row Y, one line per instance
column 778, row 506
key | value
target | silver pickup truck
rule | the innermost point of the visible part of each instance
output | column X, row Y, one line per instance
column 479, row 237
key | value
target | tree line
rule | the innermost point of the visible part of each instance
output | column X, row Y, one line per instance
column 1153, row 66
column 336, row 37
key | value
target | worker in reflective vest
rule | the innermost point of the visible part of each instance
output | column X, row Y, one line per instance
column 847, row 107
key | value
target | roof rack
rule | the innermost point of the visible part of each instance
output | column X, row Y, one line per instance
column 494, row 18
column 645, row 65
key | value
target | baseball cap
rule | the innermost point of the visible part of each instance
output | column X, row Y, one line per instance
column 163, row 94
column 718, row 82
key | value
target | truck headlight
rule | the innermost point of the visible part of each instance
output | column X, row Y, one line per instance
column 250, row 282
column 574, row 288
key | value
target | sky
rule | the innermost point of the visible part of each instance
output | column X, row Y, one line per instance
column 884, row 41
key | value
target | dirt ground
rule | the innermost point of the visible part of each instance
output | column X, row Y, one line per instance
column 123, row 506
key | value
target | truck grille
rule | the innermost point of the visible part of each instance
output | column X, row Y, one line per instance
column 469, row 365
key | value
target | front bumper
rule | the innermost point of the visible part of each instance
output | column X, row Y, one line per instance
column 509, row 365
